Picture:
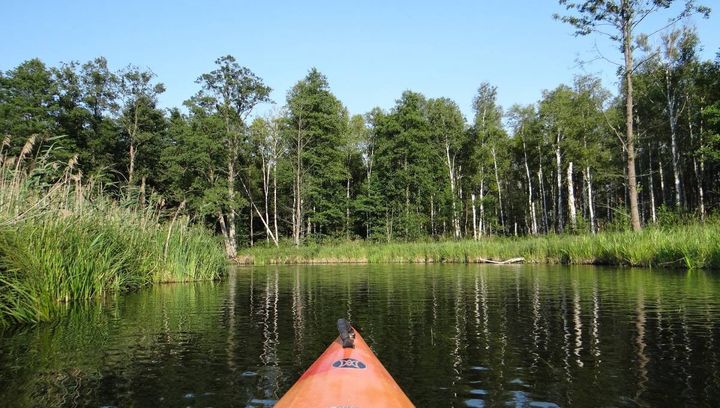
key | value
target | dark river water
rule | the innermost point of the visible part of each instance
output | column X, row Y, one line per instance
column 451, row 335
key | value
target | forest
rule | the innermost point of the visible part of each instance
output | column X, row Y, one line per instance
column 309, row 171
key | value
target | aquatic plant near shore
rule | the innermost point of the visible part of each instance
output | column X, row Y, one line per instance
column 61, row 241
column 681, row 246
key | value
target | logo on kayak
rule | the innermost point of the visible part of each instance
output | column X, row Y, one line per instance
column 349, row 363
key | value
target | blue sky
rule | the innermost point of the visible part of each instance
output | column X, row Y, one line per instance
column 371, row 51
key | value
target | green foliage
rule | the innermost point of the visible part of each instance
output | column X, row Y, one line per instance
column 417, row 171
column 316, row 129
column 62, row 240
column 28, row 102
column 689, row 246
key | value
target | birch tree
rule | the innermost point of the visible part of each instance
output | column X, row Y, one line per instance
column 488, row 128
column 521, row 118
column 138, row 96
column 447, row 128
column 234, row 91
column 619, row 21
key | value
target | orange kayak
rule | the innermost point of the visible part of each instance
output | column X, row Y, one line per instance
column 348, row 375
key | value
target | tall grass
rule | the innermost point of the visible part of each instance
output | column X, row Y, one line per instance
column 64, row 240
column 682, row 246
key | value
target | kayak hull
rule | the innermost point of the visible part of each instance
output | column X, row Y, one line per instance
column 346, row 378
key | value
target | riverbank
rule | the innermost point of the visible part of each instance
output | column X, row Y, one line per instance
column 62, row 241
column 685, row 246
column 50, row 261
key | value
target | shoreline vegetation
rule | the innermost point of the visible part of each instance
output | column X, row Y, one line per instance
column 62, row 240
column 693, row 246
column 134, row 193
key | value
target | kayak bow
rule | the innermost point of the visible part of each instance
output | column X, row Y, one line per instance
column 346, row 375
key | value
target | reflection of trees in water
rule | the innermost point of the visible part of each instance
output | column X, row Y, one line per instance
column 269, row 373
column 459, row 340
column 577, row 336
column 70, row 387
column 231, row 319
column 710, row 326
column 298, row 318
column 577, row 324
column 536, row 324
column 641, row 359
column 687, row 351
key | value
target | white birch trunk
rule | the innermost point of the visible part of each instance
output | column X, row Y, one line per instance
column 275, row 214
column 297, row 189
column 673, row 137
column 231, row 214
column 432, row 215
column 663, row 196
column 451, row 174
column 558, row 171
column 499, row 188
column 699, row 170
column 230, row 251
column 347, row 210
column 590, row 200
column 571, row 198
column 653, row 214
column 474, row 218
column 481, row 228
column 531, row 203
column 543, row 198
column 252, row 232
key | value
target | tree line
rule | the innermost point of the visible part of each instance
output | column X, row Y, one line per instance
column 310, row 171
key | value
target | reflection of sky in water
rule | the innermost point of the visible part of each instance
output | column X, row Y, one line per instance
column 451, row 335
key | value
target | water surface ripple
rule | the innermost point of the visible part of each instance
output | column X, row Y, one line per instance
column 451, row 335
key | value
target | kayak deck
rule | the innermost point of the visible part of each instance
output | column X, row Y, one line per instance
column 344, row 377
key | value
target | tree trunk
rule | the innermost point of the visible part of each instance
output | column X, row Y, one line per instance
column 132, row 134
column 347, row 209
column 608, row 212
column 266, row 192
column 481, row 227
column 275, row 214
column 558, row 188
column 297, row 190
column 131, row 170
column 701, row 191
column 252, row 231
column 699, row 170
column 590, row 201
column 232, row 213
column 474, row 218
column 432, row 215
column 543, row 198
column 499, row 188
column 653, row 213
column 450, row 162
column 571, row 198
column 141, row 198
column 531, row 202
column 407, row 200
column 672, row 118
column 294, row 213
column 663, row 196
column 629, row 136
column 309, row 230
column 230, row 248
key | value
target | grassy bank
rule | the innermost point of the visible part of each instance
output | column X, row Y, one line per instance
column 688, row 246
column 64, row 241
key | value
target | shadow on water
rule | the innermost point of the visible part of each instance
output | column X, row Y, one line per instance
column 451, row 335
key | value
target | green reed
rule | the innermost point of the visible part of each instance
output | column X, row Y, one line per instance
column 682, row 246
column 64, row 240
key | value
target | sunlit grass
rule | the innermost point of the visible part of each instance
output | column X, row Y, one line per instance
column 63, row 241
column 683, row 246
